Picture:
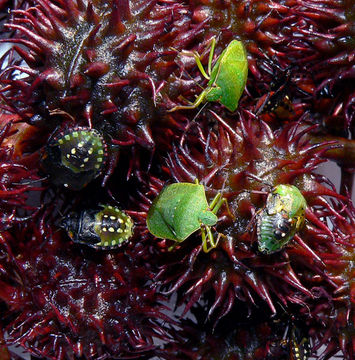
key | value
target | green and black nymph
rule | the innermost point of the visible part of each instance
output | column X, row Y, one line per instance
column 105, row 228
column 282, row 217
column 75, row 157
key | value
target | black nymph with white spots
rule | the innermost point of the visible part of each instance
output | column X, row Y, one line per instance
column 74, row 157
column 106, row 228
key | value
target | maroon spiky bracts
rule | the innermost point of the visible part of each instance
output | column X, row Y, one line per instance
column 17, row 181
column 63, row 302
column 312, row 40
column 236, row 161
column 331, row 315
column 102, row 62
column 254, row 340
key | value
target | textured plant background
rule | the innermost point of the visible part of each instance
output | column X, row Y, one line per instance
column 116, row 66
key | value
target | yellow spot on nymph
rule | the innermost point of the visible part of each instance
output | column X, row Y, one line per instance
column 106, row 243
column 100, row 152
column 81, row 144
column 97, row 166
column 75, row 134
column 105, row 216
column 67, row 137
column 61, row 141
column 120, row 221
column 119, row 230
column 104, row 229
column 68, row 156
column 83, row 132
column 110, row 207
column 113, row 217
column 111, row 229
column 86, row 160
column 99, row 159
column 90, row 151
column 113, row 242
column 73, row 151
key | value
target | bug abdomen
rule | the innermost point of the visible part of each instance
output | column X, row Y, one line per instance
column 113, row 226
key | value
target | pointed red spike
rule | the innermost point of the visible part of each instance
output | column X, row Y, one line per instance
column 41, row 42
column 97, row 69
column 57, row 25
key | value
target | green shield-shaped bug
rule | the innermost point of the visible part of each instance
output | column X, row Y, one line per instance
column 282, row 217
column 227, row 79
column 180, row 210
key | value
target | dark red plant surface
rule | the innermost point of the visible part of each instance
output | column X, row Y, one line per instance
column 117, row 66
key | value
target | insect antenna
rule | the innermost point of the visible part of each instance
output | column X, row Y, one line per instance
column 32, row 181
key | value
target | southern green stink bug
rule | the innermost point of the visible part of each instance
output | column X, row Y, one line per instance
column 75, row 157
column 180, row 210
column 107, row 228
column 282, row 217
column 227, row 78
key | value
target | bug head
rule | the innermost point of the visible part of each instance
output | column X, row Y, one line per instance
column 70, row 223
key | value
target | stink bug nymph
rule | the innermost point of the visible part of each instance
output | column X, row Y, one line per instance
column 296, row 343
column 227, row 79
column 75, row 157
column 180, row 210
column 107, row 228
column 282, row 216
column 299, row 345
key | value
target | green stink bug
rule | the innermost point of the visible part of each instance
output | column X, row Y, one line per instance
column 227, row 78
column 181, row 209
column 282, row 217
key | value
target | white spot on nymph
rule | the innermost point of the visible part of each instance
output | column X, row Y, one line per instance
column 86, row 160
column 65, row 185
column 283, row 234
column 68, row 156
column 73, row 151
column 120, row 221
column 105, row 216
column 113, row 217
column 91, row 150
column 81, row 144
column 104, row 229
column 111, row 229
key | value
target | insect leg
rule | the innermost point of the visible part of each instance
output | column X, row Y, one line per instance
column 197, row 102
column 217, row 202
column 210, row 58
column 210, row 237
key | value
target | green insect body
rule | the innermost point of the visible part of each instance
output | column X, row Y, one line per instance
column 101, row 229
column 180, row 210
column 282, row 217
column 227, row 79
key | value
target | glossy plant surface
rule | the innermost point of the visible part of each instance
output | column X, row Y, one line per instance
column 125, row 103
